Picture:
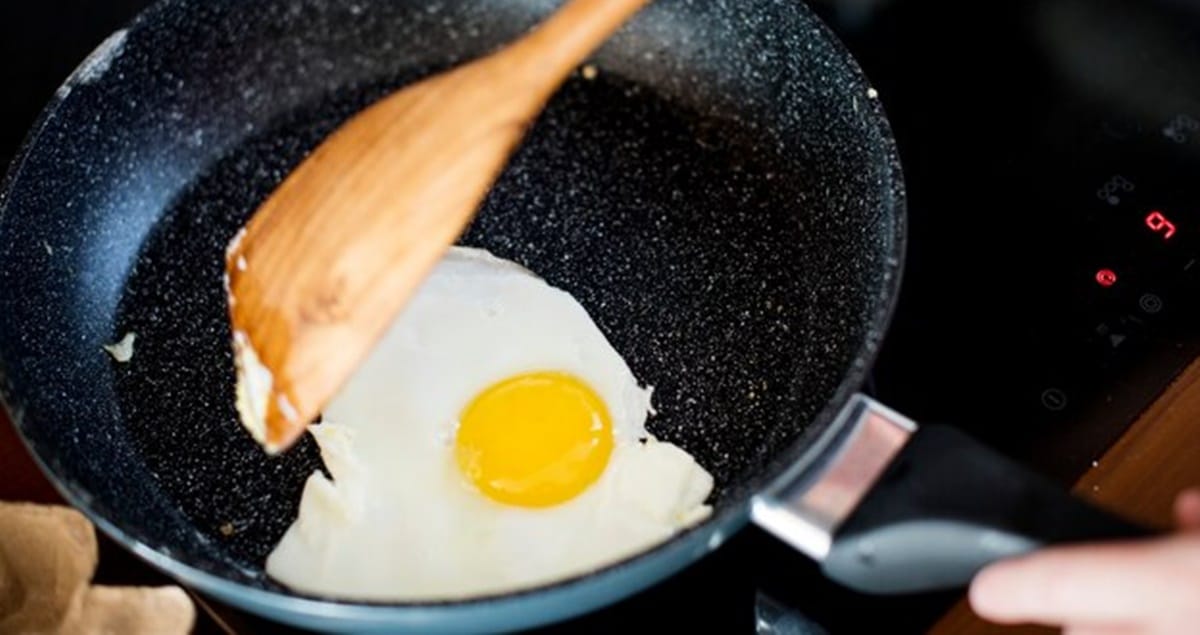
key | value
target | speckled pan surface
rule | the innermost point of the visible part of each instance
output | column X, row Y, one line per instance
column 723, row 197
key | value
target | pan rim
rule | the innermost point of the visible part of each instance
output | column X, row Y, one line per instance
column 680, row 547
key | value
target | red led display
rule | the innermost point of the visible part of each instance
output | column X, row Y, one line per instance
column 1106, row 277
column 1159, row 223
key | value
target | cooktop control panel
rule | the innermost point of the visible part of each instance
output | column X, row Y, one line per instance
column 1139, row 281
column 1053, row 274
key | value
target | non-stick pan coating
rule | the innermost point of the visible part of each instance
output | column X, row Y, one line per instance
column 722, row 197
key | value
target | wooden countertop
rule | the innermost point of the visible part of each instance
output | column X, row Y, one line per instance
column 1139, row 477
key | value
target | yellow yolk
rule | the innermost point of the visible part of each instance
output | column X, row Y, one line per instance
column 534, row 440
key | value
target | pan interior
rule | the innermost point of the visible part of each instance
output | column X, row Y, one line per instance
column 718, row 196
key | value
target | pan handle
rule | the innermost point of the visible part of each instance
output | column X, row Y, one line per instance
column 944, row 507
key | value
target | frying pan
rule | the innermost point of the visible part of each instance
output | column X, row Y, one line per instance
column 724, row 198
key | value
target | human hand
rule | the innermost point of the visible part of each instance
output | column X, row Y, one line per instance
column 1143, row 587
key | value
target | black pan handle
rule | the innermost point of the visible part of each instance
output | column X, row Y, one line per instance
column 947, row 506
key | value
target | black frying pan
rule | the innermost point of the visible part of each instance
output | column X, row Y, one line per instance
column 724, row 198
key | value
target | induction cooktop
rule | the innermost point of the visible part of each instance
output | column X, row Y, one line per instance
column 1051, row 150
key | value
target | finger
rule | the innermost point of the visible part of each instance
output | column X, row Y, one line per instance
column 1089, row 584
column 1102, row 630
column 1187, row 509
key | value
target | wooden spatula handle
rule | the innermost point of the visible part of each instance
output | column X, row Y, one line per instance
column 568, row 37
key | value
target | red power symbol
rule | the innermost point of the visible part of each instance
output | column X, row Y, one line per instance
column 1106, row 277
column 1159, row 223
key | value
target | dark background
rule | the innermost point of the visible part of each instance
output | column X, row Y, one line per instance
column 41, row 42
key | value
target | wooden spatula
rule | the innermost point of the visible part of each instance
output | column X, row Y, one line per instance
column 328, row 261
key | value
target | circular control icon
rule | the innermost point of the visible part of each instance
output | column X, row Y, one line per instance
column 1054, row 399
column 1150, row 303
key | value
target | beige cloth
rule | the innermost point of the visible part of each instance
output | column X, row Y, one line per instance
column 48, row 555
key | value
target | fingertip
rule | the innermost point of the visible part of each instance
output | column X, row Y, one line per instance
column 1187, row 509
column 990, row 592
column 979, row 592
column 1087, row 582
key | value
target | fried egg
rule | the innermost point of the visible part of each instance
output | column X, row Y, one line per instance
column 493, row 441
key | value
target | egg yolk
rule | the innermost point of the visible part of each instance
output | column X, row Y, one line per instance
column 534, row 440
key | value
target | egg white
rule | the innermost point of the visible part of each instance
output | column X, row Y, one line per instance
column 399, row 521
